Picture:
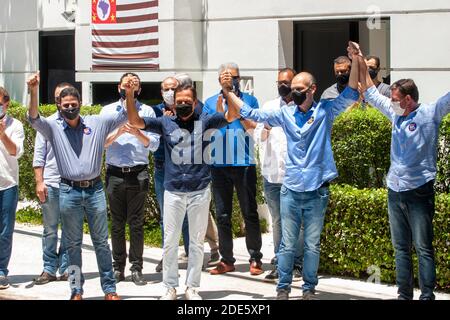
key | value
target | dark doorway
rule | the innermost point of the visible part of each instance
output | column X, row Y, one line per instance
column 56, row 62
column 106, row 93
column 317, row 44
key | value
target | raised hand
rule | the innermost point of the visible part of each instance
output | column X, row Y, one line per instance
column 226, row 81
column 131, row 84
column 353, row 50
column 33, row 81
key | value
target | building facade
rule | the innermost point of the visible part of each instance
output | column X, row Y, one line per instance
column 196, row 36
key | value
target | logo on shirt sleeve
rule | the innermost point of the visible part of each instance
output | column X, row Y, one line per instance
column 87, row 131
column 311, row 120
column 412, row 126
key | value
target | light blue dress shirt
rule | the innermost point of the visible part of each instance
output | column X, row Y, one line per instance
column 44, row 157
column 79, row 151
column 310, row 161
column 414, row 141
column 127, row 150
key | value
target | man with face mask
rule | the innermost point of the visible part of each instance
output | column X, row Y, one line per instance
column 78, row 143
column 127, row 183
column 47, row 178
column 373, row 65
column 11, row 149
column 411, row 177
column 186, row 182
column 342, row 68
column 310, row 167
column 272, row 151
column 233, row 168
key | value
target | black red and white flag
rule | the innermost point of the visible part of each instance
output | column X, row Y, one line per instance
column 125, row 35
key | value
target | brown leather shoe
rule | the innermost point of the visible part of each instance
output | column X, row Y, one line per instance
column 44, row 278
column 222, row 268
column 256, row 268
column 112, row 296
column 76, row 296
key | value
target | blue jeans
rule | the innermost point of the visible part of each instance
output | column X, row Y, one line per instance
column 74, row 203
column 8, row 206
column 411, row 222
column 159, row 191
column 53, row 258
column 296, row 208
column 272, row 196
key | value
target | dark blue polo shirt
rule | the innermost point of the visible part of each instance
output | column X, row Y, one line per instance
column 186, row 166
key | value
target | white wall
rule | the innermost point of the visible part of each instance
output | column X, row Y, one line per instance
column 420, row 49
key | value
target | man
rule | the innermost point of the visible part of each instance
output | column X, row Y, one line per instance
column 273, row 149
column 127, row 183
column 47, row 179
column 186, row 182
column 11, row 149
column 411, row 178
column 168, row 86
column 342, row 67
column 373, row 65
column 78, row 144
column 309, row 169
column 233, row 166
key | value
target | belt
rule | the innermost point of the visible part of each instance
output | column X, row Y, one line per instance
column 81, row 184
column 134, row 169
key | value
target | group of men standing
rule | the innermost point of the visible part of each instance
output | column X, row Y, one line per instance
column 294, row 135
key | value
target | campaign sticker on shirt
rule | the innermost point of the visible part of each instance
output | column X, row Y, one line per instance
column 311, row 120
column 87, row 131
column 412, row 126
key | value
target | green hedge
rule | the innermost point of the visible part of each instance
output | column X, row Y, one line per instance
column 356, row 235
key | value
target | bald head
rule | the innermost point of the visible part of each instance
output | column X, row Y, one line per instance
column 303, row 81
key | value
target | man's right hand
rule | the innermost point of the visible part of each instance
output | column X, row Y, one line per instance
column 41, row 191
column 33, row 82
column 226, row 81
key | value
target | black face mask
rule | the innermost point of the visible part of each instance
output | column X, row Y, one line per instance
column 183, row 110
column 373, row 73
column 70, row 113
column 298, row 97
column 123, row 94
column 343, row 79
column 284, row 90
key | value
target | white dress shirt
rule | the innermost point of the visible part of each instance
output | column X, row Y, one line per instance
column 9, row 165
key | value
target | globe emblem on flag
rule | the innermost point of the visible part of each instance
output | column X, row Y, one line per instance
column 103, row 9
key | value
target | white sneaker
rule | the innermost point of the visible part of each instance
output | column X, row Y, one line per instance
column 192, row 294
column 171, row 294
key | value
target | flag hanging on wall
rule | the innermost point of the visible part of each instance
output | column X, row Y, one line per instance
column 125, row 35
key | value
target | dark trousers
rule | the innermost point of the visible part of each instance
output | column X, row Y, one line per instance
column 411, row 223
column 243, row 179
column 126, row 196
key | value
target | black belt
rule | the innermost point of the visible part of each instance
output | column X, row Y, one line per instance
column 81, row 184
column 325, row 185
column 123, row 170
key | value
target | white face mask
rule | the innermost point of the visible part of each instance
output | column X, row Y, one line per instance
column 169, row 97
column 395, row 106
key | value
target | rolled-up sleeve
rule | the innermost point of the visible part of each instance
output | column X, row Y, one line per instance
column 442, row 108
column 40, row 151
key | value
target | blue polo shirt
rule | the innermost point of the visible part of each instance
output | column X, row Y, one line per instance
column 233, row 147
column 310, row 161
column 414, row 141
column 186, row 164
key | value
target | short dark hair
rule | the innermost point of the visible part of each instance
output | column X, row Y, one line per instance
column 70, row 91
column 342, row 60
column 129, row 74
column 282, row 70
column 377, row 60
column 4, row 94
column 183, row 88
column 407, row 87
